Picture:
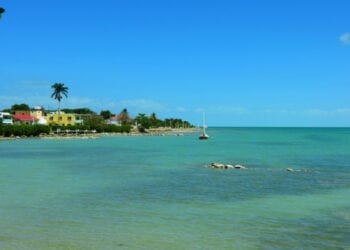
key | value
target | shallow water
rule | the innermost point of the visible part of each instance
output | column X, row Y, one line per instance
column 159, row 193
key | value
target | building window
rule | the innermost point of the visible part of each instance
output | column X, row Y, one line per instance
column 69, row 118
column 60, row 118
column 51, row 118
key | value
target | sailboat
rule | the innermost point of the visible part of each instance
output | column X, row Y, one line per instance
column 204, row 135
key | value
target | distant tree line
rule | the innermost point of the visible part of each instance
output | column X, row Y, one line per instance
column 145, row 122
column 16, row 107
column 81, row 111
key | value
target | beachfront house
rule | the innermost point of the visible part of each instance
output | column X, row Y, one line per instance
column 113, row 121
column 119, row 120
column 61, row 119
column 6, row 118
column 24, row 119
column 39, row 113
column 79, row 119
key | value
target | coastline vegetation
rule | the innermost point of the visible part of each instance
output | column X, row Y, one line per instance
column 90, row 121
column 23, row 130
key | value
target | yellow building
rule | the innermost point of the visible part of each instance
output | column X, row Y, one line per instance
column 38, row 112
column 61, row 119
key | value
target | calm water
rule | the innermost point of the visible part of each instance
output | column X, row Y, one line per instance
column 158, row 193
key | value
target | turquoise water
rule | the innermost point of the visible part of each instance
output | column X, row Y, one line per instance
column 159, row 193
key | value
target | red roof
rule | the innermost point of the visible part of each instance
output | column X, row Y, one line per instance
column 24, row 118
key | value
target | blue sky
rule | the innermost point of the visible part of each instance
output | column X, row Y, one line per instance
column 245, row 63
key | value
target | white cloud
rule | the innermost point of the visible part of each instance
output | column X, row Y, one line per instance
column 335, row 112
column 31, row 100
column 345, row 38
column 181, row 109
column 229, row 110
column 317, row 112
column 199, row 110
column 225, row 110
column 74, row 101
column 49, row 103
column 314, row 112
column 34, row 85
column 343, row 111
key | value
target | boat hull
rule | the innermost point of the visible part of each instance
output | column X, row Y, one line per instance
column 204, row 137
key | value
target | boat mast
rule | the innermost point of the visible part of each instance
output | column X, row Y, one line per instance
column 204, row 123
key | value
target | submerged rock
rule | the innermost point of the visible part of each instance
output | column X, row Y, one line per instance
column 217, row 165
column 229, row 166
column 226, row 166
column 298, row 170
column 240, row 167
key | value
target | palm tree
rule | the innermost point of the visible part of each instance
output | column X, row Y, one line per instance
column 154, row 120
column 59, row 90
column 2, row 10
column 124, row 117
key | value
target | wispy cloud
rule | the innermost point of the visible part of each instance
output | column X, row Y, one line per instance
column 321, row 112
column 313, row 112
column 228, row 110
column 143, row 105
column 343, row 111
column 95, row 104
column 317, row 112
column 345, row 38
column 49, row 103
column 34, row 85
column 225, row 110
column 75, row 101
column 181, row 109
column 32, row 100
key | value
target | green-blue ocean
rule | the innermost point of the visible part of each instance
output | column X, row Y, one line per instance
column 159, row 192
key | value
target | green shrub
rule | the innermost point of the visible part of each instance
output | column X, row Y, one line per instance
column 23, row 130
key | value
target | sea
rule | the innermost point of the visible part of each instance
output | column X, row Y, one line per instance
column 159, row 192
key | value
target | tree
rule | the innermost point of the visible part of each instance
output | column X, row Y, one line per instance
column 124, row 117
column 7, row 110
column 20, row 107
column 80, row 111
column 2, row 10
column 93, row 121
column 59, row 90
column 143, row 122
column 154, row 120
column 106, row 114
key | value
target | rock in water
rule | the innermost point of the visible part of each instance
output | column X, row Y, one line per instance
column 240, row 167
column 217, row 165
column 226, row 166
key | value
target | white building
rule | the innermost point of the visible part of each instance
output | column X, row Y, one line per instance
column 6, row 118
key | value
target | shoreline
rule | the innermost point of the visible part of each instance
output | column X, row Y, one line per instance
column 150, row 132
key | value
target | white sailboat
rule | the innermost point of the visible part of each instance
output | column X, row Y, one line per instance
column 204, row 135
